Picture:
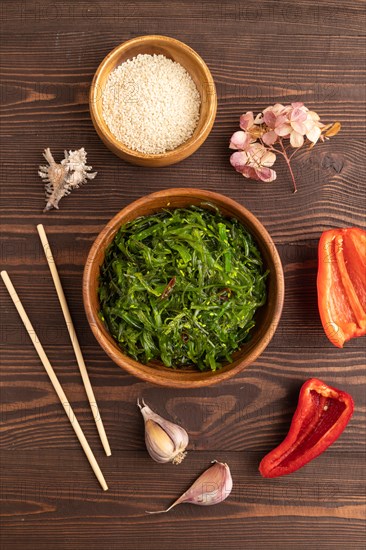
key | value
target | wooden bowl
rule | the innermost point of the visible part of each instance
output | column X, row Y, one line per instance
column 267, row 317
column 195, row 66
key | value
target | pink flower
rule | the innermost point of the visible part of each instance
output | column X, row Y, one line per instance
column 261, row 156
column 246, row 121
column 291, row 124
column 250, row 126
column 254, row 163
column 275, row 110
column 274, row 117
column 256, row 141
column 313, row 126
column 240, row 140
column 300, row 122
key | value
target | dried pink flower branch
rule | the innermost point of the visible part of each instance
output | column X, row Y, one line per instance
column 256, row 142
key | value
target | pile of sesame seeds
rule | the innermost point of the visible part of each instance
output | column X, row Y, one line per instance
column 151, row 104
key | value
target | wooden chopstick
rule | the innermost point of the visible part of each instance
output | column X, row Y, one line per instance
column 56, row 384
column 74, row 339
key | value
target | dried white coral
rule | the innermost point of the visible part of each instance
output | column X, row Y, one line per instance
column 61, row 178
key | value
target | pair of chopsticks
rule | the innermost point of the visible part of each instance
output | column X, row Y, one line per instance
column 47, row 365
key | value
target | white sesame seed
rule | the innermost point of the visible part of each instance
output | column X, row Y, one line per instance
column 151, row 104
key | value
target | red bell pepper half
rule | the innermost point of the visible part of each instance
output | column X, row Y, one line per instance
column 342, row 284
column 321, row 416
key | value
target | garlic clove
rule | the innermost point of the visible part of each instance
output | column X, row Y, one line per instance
column 158, row 442
column 165, row 441
column 211, row 487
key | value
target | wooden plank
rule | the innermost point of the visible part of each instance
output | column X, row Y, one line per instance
column 299, row 327
column 43, row 508
column 252, row 411
column 147, row 17
column 259, row 53
column 315, row 68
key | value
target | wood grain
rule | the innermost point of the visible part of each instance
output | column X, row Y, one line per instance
column 258, row 53
column 258, row 510
column 251, row 411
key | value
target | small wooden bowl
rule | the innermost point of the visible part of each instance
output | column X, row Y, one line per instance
column 195, row 66
column 267, row 317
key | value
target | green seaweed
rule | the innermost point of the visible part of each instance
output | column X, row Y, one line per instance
column 182, row 286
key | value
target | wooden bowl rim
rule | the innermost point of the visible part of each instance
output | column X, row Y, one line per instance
column 185, row 149
column 168, row 377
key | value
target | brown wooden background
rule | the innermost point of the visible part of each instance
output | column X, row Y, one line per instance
column 259, row 53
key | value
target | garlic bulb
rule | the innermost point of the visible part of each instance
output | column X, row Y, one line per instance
column 211, row 487
column 165, row 441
